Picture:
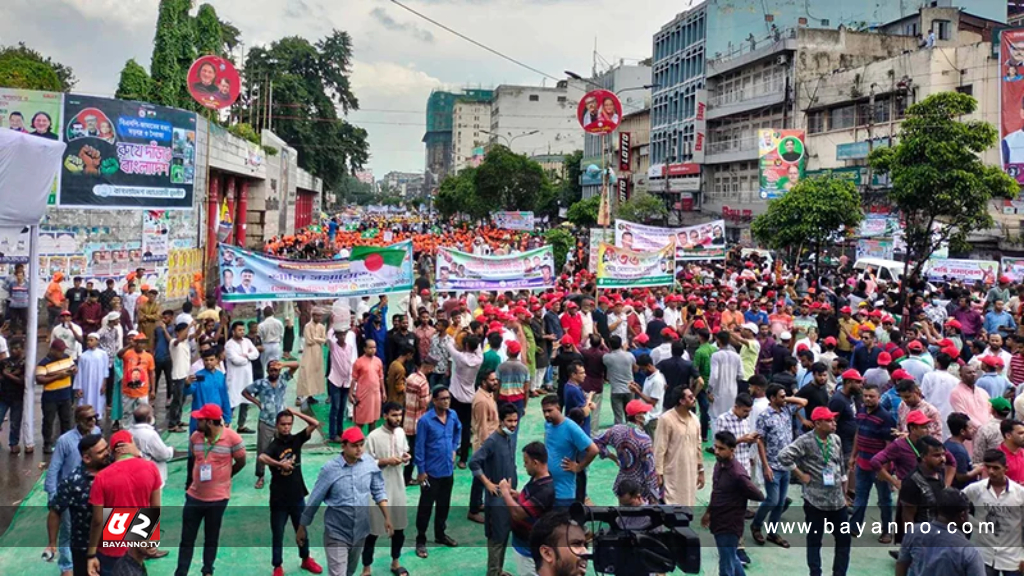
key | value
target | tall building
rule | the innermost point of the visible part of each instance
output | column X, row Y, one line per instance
column 536, row 120
column 405, row 184
column 469, row 117
column 438, row 137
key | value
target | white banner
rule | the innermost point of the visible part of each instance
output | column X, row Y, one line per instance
column 701, row 242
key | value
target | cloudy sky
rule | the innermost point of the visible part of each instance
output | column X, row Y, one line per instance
column 399, row 58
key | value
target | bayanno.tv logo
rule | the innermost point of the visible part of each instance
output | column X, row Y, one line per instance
column 131, row 528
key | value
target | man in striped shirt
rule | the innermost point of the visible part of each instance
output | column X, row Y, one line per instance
column 874, row 432
column 417, row 402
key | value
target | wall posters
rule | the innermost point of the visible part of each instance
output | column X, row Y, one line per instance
column 701, row 242
column 783, row 158
column 1013, row 267
column 621, row 268
column 34, row 112
column 597, row 236
column 124, row 154
column 1011, row 101
column 155, row 235
column 532, row 270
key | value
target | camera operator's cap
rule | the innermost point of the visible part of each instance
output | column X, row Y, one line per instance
column 352, row 435
column 822, row 413
column 121, row 437
column 635, row 407
column 917, row 418
column 1001, row 405
column 208, row 412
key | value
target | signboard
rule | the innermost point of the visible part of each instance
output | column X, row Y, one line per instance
column 854, row 175
column 970, row 271
column 621, row 268
column 1013, row 267
column 513, row 220
column 213, row 82
column 688, row 169
column 124, row 154
column 700, row 127
column 874, row 249
column 597, row 236
column 875, row 227
column 859, row 150
column 683, row 184
column 368, row 271
column 36, row 113
column 599, row 112
column 458, row 271
column 783, row 157
column 1011, row 101
column 701, row 242
column 623, row 188
column 625, row 151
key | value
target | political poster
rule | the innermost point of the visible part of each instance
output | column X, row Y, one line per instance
column 14, row 245
column 701, row 242
column 124, row 154
column 597, row 236
column 873, row 227
column 155, row 235
column 969, row 271
column 36, row 113
column 783, row 157
column 622, row 268
column 459, row 271
column 1011, row 101
column 867, row 248
column 599, row 112
column 1013, row 267
column 369, row 270
column 513, row 220
column 213, row 82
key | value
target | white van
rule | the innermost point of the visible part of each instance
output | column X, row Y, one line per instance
column 891, row 271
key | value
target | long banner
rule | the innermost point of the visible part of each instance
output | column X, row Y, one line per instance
column 874, row 249
column 1013, row 267
column 250, row 277
column 621, row 268
column 513, row 220
column 533, row 270
column 945, row 269
column 701, row 242
column 1011, row 90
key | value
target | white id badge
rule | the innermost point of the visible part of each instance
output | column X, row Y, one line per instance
column 205, row 472
column 829, row 476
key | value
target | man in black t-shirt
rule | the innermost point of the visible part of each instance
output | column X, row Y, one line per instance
column 919, row 492
column 12, row 390
column 842, row 403
column 529, row 504
column 815, row 392
column 287, row 487
column 678, row 372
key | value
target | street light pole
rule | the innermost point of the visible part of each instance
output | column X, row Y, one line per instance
column 508, row 141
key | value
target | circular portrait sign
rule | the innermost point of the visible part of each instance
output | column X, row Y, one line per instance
column 599, row 112
column 213, row 82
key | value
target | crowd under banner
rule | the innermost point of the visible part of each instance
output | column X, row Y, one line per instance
column 368, row 271
column 945, row 269
column 701, row 242
column 513, row 220
column 621, row 268
column 459, row 271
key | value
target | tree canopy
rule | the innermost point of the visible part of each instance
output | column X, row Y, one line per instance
column 503, row 181
column 584, row 212
column 642, row 208
column 24, row 68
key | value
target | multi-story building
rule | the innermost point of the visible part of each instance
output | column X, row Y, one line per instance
column 534, row 120
column 364, row 176
column 469, row 117
column 405, row 184
column 440, row 159
column 553, row 165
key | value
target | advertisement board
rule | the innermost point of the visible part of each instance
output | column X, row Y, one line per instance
column 625, row 151
column 124, row 154
column 36, row 113
column 970, row 271
column 1011, row 102
column 874, row 249
column 458, row 271
column 1013, row 267
column 621, row 268
column 782, row 156
column 701, row 242
column 597, row 236
column 513, row 220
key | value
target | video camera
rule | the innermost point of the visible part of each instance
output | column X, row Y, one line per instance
column 641, row 540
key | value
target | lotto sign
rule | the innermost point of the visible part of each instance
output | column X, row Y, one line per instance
column 624, row 151
column 131, row 528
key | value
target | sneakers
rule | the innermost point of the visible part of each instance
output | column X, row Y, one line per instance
column 310, row 565
column 744, row 559
column 278, row 571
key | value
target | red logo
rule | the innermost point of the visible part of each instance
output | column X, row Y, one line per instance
column 131, row 528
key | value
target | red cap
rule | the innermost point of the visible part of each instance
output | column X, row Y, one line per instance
column 208, row 412
column 634, row 407
column 642, row 339
column 852, row 374
column 121, row 437
column 884, row 359
column 495, row 327
column 1004, row 279
column 571, row 305
column 875, row 314
column 915, row 346
column 918, row 418
column 845, row 310
column 830, row 340
column 901, row 374
column 954, row 323
column 888, row 319
column 993, row 361
column 513, row 347
column 567, row 340
column 699, row 324
column 425, row 292
column 352, row 435
column 951, row 351
column 822, row 413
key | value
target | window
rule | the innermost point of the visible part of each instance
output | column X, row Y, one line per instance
column 842, row 118
column 562, row 99
column 825, row 22
column 942, row 29
column 534, row 98
column 816, row 122
column 969, row 89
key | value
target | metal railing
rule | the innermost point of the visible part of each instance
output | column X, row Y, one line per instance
column 746, row 46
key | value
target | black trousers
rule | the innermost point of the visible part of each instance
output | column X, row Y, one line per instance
column 79, row 563
column 60, row 413
column 194, row 513
column 437, row 490
column 163, row 367
column 279, row 516
column 397, row 541
column 465, row 414
column 289, row 339
column 411, row 466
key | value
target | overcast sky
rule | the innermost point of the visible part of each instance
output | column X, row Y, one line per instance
column 399, row 58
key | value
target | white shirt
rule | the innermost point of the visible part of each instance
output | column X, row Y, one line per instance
column 238, row 357
column 654, row 387
column 672, row 317
column 1003, row 548
column 622, row 329
column 936, row 387
column 70, row 337
column 181, row 359
column 152, row 446
column 271, row 330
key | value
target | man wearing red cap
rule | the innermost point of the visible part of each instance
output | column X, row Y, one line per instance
column 129, row 482
column 352, row 477
column 900, row 457
column 572, row 323
column 219, row 454
column 514, row 377
column 634, row 451
column 816, row 459
column 995, row 348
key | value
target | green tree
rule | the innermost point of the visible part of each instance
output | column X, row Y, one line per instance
column 208, row 32
column 940, row 185
column 457, row 195
column 643, row 208
column 562, row 242
column 810, row 214
column 509, row 181
column 135, row 83
column 173, row 52
column 584, row 212
column 25, row 68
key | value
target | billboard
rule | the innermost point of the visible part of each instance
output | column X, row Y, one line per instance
column 513, row 220
column 213, row 82
column 701, row 242
column 621, row 268
column 945, row 269
column 36, row 113
column 599, row 112
column 459, row 271
column 783, row 158
column 1011, row 102
column 124, row 154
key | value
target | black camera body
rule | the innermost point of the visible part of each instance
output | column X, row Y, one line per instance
column 641, row 540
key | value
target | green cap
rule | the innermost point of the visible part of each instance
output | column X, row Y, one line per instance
column 1002, row 405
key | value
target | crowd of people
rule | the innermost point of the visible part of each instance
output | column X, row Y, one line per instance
column 784, row 375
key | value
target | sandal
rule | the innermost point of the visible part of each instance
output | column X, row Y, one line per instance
column 758, row 535
column 259, row 484
column 400, row 571
column 778, row 540
column 421, row 551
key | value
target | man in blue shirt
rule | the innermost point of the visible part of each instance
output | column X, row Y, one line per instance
column 437, row 438
column 208, row 386
column 999, row 321
column 63, row 463
column 755, row 314
column 575, row 397
column 938, row 551
column 346, row 484
column 570, row 450
column 162, row 351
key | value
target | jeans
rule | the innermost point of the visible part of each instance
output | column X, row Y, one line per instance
column 397, row 541
column 465, row 413
column 279, row 516
column 64, row 558
column 865, row 480
column 162, row 367
column 61, row 411
column 339, row 403
column 728, row 559
column 774, row 498
column 817, row 518
column 476, row 496
column 197, row 512
column 436, row 379
column 16, row 414
column 176, row 392
column 595, row 416
column 128, row 406
column 437, row 490
column 264, row 436
column 705, row 414
column 619, row 402
column 496, row 556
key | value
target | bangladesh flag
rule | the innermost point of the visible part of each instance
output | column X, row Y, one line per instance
column 375, row 258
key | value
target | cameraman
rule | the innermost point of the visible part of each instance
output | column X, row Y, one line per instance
column 558, row 546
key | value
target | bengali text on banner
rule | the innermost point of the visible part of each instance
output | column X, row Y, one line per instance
column 701, row 242
column 513, row 220
column 533, row 270
column 621, row 268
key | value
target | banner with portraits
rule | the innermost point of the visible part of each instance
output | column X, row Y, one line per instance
column 701, row 242
column 368, row 271
column 1011, row 101
column 970, row 271
column 783, row 158
column 513, row 220
column 36, row 113
column 621, row 268
column 459, row 271
column 1013, row 267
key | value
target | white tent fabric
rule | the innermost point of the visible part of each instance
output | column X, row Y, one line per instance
column 28, row 165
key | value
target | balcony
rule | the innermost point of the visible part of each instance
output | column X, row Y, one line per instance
column 748, row 52
column 745, row 100
column 731, row 150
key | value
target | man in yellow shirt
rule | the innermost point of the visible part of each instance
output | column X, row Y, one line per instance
column 848, row 329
